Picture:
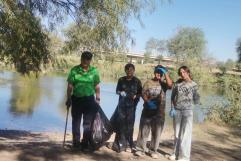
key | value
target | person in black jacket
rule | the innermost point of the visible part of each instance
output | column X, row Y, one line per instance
column 129, row 89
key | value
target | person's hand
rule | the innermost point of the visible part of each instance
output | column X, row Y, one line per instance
column 134, row 97
column 68, row 103
column 151, row 105
column 97, row 100
column 162, row 70
column 123, row 93
column 172, row 112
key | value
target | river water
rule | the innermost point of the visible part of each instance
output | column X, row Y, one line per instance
column 38, row 104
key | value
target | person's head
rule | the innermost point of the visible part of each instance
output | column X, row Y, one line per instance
column 185, row 73
column 157, row 73
column 129, row 69
column 86, row 58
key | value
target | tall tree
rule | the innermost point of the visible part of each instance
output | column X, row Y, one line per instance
column 155, row 46
column 23, row 42
column 152, row 45
column 239, row 50
column 188, row 43
column 19, row 23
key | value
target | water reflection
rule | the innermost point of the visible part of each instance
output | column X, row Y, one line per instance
column 39, row 104
column 25, row 95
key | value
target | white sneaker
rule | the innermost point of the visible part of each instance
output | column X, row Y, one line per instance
column 154, row 155
column 172, row 157
column 139, row 153
column 129, row 150
column 183, row 159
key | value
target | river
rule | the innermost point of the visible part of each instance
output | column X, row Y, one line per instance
column 38, row 104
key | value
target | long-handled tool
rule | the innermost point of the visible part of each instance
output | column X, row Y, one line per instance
column 66, row 122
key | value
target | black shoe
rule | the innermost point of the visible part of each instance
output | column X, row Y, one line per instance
column 76, row 145
column 84, row 146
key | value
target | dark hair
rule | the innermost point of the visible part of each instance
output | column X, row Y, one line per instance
column 86, row 55
column 129, row 65
column 186, row 70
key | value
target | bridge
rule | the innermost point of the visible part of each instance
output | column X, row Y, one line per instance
column 133, row 57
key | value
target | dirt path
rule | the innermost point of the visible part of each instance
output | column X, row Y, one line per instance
column 210, row 143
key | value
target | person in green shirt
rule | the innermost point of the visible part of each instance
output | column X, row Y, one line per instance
column 83, row 92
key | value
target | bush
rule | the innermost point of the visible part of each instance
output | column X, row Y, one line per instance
column 229, row 113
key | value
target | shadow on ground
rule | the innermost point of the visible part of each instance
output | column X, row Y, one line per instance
column 202, row 150
column 205, row 151
column 15, row 141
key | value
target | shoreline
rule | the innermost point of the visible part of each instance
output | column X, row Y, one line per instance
column 210, row 142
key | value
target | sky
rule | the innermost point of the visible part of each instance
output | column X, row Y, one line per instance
column 220, row 20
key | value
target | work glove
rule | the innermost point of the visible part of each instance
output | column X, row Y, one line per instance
column 68, row 103
column 151, row 105
column 172, row 112
column 123, row 93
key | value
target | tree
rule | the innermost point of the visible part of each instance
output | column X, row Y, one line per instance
column 147, row 57
column 84, row 37
column 230, row 64
column 23, row 42
column 188, row 43
column 239, row 50
column 155, row 46
column 19, row 23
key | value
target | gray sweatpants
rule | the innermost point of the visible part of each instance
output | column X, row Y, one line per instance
column 155, row 125
column 183, row 133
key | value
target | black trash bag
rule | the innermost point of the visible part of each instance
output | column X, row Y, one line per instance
column 101, row 129
column 123, row 115
column 117, row 119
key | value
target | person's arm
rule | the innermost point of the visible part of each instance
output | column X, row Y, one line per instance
column 97, row 93
column 118, row 86
column 173, row 96
column 69, row 93
column 97, row 87
column 145, row 98
column 138, row 93
column 119, row 90
column 144, row 92
column 196, row 96
column 168, row 81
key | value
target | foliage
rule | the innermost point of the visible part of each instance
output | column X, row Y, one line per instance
column 156, row 46
column 188, row 43
column 238, row 48
column 221, row 66
column 230, row 64
column 83, row 37
column 238, row 66
column 147, row 57
column 102, row 25
column 227, row 66
column 229, row 113
column 55, row 44
column 23, row 42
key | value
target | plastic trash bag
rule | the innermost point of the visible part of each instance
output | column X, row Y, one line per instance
column 122, row 122
column 100, row 129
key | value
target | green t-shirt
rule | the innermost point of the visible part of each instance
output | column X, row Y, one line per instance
column 83, row 82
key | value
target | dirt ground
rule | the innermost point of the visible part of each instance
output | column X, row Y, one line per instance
column 211, row 142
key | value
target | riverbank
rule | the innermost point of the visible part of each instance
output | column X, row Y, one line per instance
column 211, row 142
